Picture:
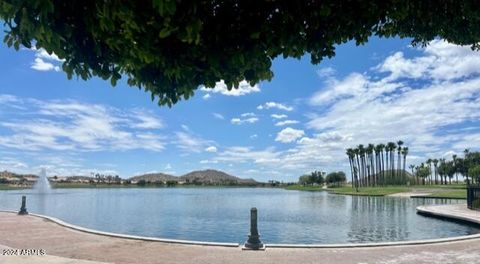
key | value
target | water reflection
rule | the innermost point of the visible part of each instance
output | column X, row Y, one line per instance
column 381, row 222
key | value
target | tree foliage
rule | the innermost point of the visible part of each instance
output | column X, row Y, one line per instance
column 170, row 48
column 474, row 172
column 470, row 163
column 336, row 178
column 422, row 172
column 374, row 165
column 315, row 177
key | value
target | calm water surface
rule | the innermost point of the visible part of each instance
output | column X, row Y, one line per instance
column 222, row 214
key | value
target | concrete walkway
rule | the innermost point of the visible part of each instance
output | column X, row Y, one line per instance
column 65, row 245
column 409, row 194
column 453, row 211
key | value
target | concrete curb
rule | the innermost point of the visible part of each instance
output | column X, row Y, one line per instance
column 437, row 197
column 380, row 244
column 143, row 238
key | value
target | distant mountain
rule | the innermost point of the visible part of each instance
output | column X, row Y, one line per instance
column 154, row 177
column 208, row 177
column 213, row 177
column 7, row 174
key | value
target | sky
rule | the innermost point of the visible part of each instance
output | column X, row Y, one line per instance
column 302, row 120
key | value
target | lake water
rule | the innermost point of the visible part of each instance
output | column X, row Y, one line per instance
column 223, row 214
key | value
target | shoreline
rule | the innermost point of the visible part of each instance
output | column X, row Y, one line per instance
column 431, row 192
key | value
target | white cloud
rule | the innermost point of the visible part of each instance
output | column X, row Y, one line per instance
column 208, row 162
column 277, row 116
column 245, row 118
column 289, row 135
column 248, row 115
column 326, row 72
column 269, row 105
column 247, row 154
column 40, row 65
column 70, row 125
column 354, row 84
column 206, row 96
column 7, row 99
column 286, row 122
column 44, row 61
column 211, row 149
column 146, row 120
column 191, row 143
column 42, row 53
column 254, row 136
column 218, row 116
column 440, row 61
column 238, row 121
column 7, row 163
column 243, row 89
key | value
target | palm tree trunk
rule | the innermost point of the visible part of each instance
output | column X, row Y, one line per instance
column 358, row 172
column 351, row 172
column 382, row 164
column 392, row 164
column 386, row 163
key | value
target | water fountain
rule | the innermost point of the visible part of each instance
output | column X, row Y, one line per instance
column 42, row 185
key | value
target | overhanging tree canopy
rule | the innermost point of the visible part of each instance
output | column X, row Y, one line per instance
column 170, row 48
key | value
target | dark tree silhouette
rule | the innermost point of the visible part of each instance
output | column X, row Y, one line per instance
column 170, row 48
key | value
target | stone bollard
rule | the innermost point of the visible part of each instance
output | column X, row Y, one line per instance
column 23, row 209
column 253, row 242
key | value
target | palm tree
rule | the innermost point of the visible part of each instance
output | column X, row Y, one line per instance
column 351, row 156
column 404, row 153
column 396, row 170
column 361, row 151
column 381, row 147
column 386, row 165
column 412, row 167
column 399, row 159
column 422, row 172
column 450, row 170
column 357, row 153
column 429, row 162
column 435, row 163
column 465, row 163
column 391, row 146
column 371, row 171
column 454, row 156
column 378, row 167
column 441, row 171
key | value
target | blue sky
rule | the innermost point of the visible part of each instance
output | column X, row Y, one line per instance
column 300, row 121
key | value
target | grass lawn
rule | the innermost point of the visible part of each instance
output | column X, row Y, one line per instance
column 88, row 185
column 453, row 194
column 370, row 191
column 5, row 187
column 438, row 186
column 304, row 188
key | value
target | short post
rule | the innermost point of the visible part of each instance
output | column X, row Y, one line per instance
column 23, row 209
column 253, row 241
